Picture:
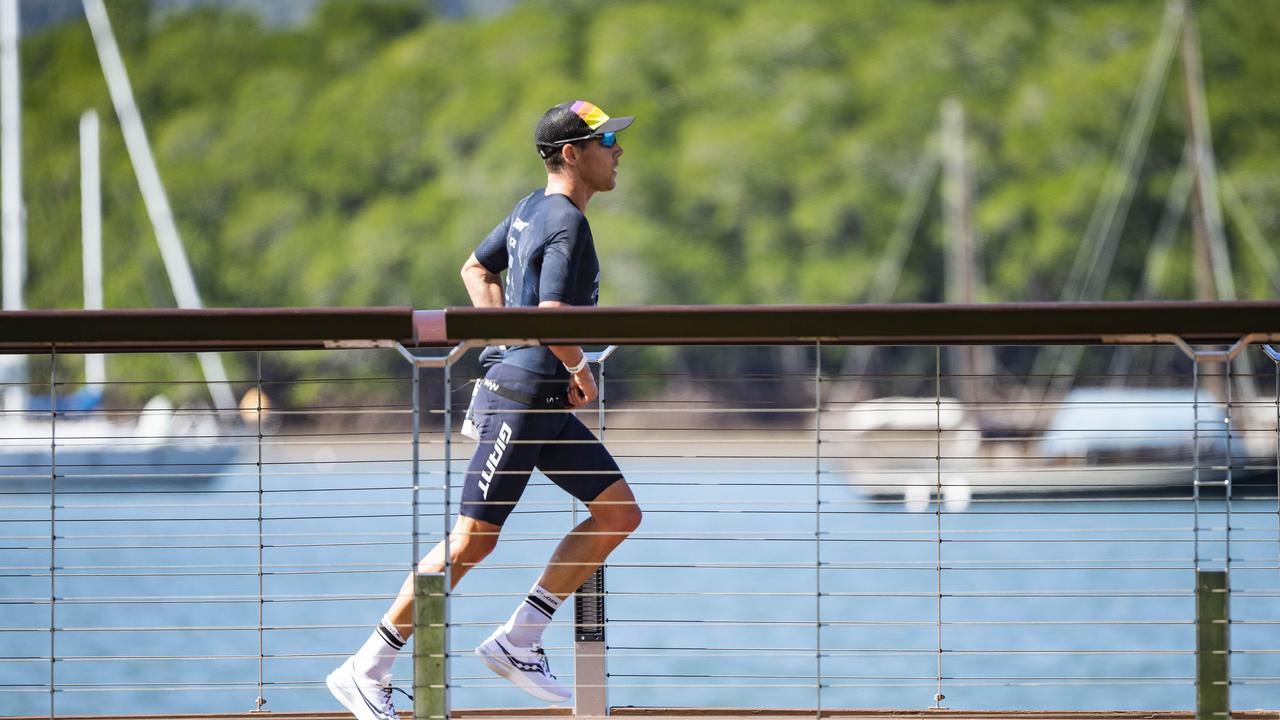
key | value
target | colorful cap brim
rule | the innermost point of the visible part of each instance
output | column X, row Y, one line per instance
column 614, row 125
column 596, row 119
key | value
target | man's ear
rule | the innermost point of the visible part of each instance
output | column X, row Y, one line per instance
column 569, row 153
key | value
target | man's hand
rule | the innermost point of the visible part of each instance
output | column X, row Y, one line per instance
column 582, row 384
column 582, row 388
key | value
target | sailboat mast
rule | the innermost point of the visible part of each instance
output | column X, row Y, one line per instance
column 11, row 137
column 971, row 366
column 153, row 194
column 1214, row 280
column 95, row 370
column 13, row 368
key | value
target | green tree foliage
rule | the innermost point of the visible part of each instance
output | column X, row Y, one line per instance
column 358, row 158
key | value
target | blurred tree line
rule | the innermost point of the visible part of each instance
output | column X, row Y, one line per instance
column 356, row 159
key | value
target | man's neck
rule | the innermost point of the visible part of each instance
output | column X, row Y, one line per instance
column 570, row 187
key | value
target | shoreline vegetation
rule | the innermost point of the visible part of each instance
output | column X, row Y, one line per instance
column 357, row 158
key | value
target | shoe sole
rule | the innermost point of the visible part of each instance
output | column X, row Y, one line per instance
column 354, row 705
column 517, row 678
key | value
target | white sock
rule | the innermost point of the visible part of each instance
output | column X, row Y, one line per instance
column 531, row 617
column 375, row 657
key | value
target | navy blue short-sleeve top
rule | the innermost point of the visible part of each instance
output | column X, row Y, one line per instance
column 545, row 247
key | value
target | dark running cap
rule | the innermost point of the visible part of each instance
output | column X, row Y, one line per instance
column 576, row 120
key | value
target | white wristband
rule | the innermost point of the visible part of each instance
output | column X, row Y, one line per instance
column 575, row 369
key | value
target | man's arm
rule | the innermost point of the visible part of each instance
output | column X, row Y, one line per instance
column 582, row 384
column 484, row 287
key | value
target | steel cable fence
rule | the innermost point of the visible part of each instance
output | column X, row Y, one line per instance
column 821, row 531
column 795, row 552
column 161, row 559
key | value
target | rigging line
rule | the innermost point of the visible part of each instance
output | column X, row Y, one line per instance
column 1101, row 234
column 1097, row 251
column 888, row 271
column 1206, row 170
column 1175, row 208
column 1249, row 231
column 155, row 199
column 1156, row 266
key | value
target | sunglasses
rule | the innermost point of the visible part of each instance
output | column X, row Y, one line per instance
column 608, row 140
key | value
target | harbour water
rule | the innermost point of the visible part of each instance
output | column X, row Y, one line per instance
column 748, row 581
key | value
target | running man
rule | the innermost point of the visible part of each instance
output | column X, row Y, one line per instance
column 546, row 248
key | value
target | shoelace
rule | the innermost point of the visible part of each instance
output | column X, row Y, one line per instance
column 385, row 689
column 542, row 661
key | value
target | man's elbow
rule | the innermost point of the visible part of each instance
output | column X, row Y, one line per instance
column 475, row 275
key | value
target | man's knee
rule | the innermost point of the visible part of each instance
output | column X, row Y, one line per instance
column 622, row 519
column 631, row 517
column 617, row 511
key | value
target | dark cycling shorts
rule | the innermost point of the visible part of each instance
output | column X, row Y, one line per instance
column 515, row 439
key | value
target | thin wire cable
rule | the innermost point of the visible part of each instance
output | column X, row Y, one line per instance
column 938, row 697
column 1195, row 462
column 817, row 524
column 444, row 529
column 261, row 699
column 53, row 528
column 1227, row 489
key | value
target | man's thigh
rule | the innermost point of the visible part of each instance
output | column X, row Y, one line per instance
column 504, row 457
column 578, row 462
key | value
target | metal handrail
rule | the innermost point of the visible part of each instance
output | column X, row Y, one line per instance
column 905, row 324
column 316, row 328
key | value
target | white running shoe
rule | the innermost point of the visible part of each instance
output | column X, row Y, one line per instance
column 364, row 697
column 526, row 667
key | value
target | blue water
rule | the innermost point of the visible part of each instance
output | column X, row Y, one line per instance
column 1048, row 604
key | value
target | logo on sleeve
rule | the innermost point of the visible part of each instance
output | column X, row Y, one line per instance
column 519, row 225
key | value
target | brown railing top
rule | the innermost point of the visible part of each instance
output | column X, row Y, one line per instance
column 1013, row 323
column 301, row 328
column 210, row 329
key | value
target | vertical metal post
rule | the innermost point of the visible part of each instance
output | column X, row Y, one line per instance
column 1213, row 588
column 262, row 697
column 419, row 662
column 444, row 529
column 416, row 413
column 1213, row 682
column 53, row 528
column 1195, row 461
column 938, row 697
column 431, row 590
column 1227, row 481
column 430, row 627
column 817, row 522
column 591, row 694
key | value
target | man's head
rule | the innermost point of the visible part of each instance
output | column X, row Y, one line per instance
column 578, row 137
